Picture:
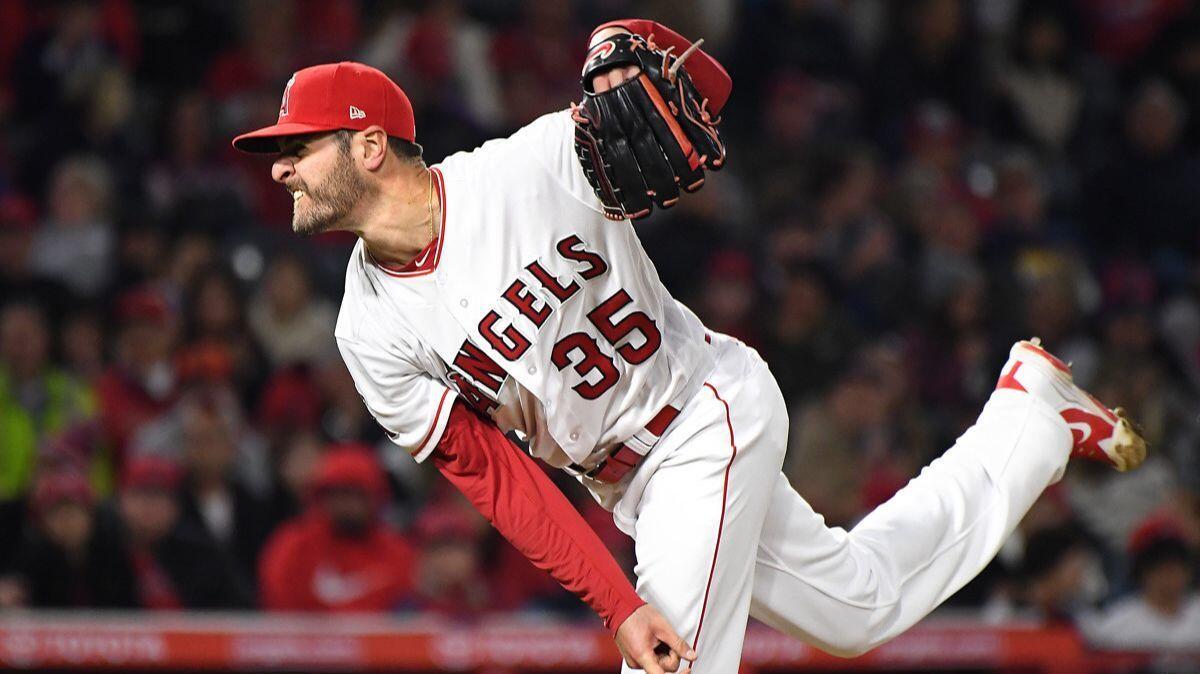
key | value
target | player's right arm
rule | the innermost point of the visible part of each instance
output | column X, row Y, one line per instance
column 507, row 487
column 424, row 417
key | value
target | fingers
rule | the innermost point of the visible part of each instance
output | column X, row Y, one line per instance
column 615, row 77
column 611, row 79
column 618, row 76
column 672, row 650
column 680, row 648
column 648, row 642
column 648, row 661
column 669, row 662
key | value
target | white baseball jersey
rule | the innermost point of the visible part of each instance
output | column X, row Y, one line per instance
column 538, row 310
column 535, row 308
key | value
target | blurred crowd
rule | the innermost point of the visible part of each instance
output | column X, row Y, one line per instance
column 912, row 186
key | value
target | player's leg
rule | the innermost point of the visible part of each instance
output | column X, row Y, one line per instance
column 848, row 592
column 700, row 514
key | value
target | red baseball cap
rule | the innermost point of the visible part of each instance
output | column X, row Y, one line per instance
column 57, row 487
column 354, row 466
column 151, row 472
column 335, row 96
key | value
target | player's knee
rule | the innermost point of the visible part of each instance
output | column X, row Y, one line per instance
column 845, row 633
column 854, row 648
column 850, row 643
column 870, row 623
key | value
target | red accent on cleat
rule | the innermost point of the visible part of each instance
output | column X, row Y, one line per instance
column 1009, row 379
column 1088, row 431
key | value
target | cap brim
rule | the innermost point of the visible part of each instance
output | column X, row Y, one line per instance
column 264, row 140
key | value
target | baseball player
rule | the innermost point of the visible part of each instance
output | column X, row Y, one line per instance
column 505, row 290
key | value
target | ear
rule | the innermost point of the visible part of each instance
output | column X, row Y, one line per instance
column 371, row 147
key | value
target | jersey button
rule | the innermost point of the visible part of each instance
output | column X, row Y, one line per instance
column 574, row 435
column 532, row 369
column 462, row 302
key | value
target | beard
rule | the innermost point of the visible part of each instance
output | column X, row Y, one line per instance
column 328, row 207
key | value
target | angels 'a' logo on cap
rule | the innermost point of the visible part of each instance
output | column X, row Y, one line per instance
column 355, row 113
column 287, row 93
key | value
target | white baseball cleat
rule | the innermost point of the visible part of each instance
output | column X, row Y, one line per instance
column 1099, row 433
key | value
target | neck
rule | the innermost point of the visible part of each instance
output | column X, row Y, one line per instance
column 403, row 220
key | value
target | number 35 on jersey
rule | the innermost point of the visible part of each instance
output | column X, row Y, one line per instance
column 626, row 332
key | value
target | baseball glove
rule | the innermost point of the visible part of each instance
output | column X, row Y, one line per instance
column 650, row 136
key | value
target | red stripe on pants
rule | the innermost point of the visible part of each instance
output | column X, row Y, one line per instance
column 721, row 524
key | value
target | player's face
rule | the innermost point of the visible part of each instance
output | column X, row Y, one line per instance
column 324, row 183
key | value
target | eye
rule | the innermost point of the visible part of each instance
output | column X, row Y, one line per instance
column 294, row 149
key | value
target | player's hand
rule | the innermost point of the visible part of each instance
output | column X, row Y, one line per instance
column 640, row 147
column 648, row 642
column 611, row 78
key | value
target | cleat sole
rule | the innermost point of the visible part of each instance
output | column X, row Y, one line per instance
column 1129, row 447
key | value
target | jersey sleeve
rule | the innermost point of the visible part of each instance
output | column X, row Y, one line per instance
column 411, row 406
column 551, row 140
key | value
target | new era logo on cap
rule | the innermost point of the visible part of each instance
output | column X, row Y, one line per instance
column 355, row 113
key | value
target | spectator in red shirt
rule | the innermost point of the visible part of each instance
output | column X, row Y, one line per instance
column 338, row 555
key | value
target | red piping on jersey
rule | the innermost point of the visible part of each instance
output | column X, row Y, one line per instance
column 436, row 415
column 721, row 523
column 425, row 261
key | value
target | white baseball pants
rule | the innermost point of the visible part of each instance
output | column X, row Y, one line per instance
column 720, row 534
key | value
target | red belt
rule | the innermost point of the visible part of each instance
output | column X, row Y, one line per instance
column 621, row 459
